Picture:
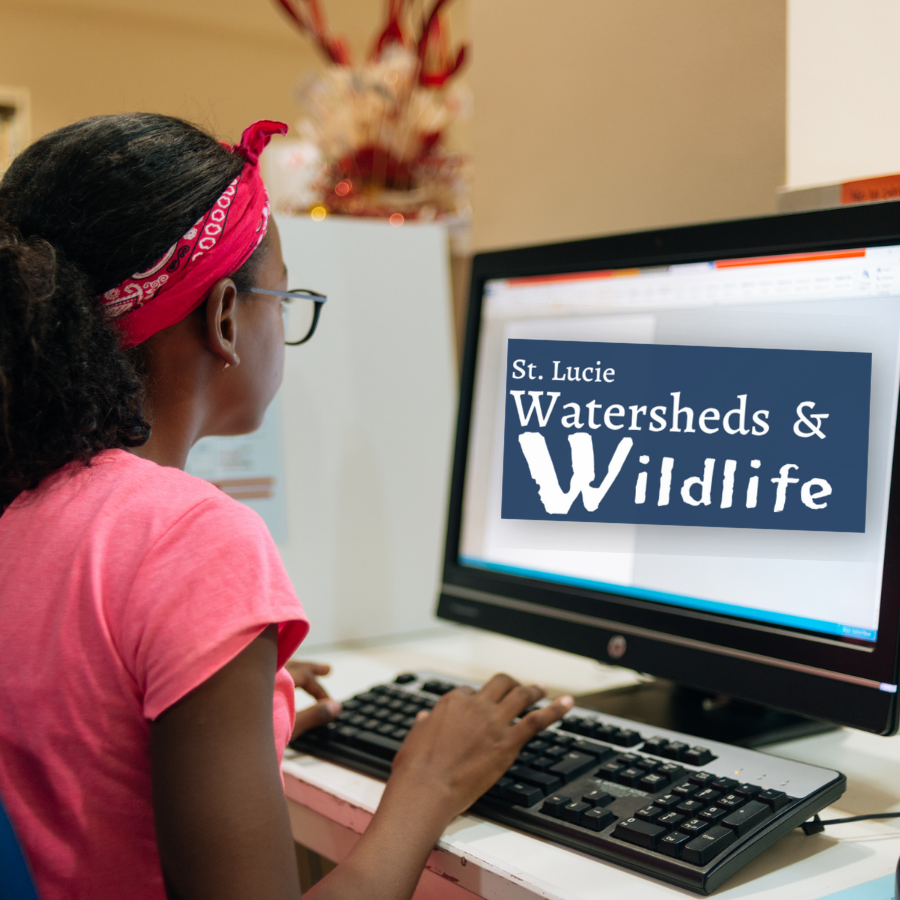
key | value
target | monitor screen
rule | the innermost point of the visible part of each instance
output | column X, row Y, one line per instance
column 695, row 449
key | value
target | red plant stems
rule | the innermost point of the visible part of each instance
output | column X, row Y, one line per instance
column 430, row 43
column 335, row 49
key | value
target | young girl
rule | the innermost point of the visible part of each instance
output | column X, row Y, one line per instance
column 145, row 617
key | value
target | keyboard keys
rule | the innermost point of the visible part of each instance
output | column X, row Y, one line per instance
column 554, row 804
column 689, row 807
column 747, row 790
column 747, row 817
column 629, row 759
column 345, row 734
column 675, row 750
column 597, row 798
column 707, row 795
column 572, row 812
column 438, row 687
column 724, row 784
column 685, row 790
column 577, row 725
column 497, row 789
column 544, row 763
column 669, row 801
column 547, row 782
column 694, row 826
column 522, row 794
column 713, row 813
column 775, row 799
column 670, row 819
column 709, row 845
column 648, row 813
column 630, row 776
column 670, row 771
column 597, row 819
column 644, row 834
column 376, row 744
column 646, row 763
column 572, row 765
column 731, row 801
column 702, row 779
column 610, row 770
column 405, row 678
column 698, row 756
column 556, row 751
column 604, row 732
column 672, row 844
column 625, row 737
column 653, row 782
column 600, row 751
column 655, row 745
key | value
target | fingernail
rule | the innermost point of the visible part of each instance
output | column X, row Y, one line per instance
column 567, row 701
column 334, row 707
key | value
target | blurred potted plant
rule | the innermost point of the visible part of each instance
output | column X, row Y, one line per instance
column 379, row 126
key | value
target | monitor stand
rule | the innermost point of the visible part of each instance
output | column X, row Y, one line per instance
column 703, row 714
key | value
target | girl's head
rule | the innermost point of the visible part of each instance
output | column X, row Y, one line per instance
column 81, row 211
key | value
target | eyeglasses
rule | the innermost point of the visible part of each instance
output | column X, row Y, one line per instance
column 301, row 310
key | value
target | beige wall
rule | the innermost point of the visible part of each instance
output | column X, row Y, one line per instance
column 220, row 63
column 596, row 116
column 591, row 116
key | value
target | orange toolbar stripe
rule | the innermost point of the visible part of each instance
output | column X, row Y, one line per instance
column 530, row 280
column 789, row 258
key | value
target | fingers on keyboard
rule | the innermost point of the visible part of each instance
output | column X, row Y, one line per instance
column 537, row 720
column 498, row 687
column 520, row 698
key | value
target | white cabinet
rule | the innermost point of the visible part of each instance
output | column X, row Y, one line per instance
column 368, row 410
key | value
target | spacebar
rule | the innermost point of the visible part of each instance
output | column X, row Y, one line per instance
column 376, row 744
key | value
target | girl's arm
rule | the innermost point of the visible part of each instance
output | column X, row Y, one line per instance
column 221, row 817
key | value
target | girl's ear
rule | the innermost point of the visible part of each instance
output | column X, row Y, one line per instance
column 221, row 321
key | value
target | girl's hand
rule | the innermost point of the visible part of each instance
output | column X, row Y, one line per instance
column 468, row 740
column 320, row 713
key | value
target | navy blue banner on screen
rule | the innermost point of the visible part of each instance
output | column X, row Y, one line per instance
column 672, row 435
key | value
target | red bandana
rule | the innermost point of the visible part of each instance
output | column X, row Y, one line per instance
column 214, row 247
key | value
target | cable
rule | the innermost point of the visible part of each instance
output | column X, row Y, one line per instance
column 816, row 825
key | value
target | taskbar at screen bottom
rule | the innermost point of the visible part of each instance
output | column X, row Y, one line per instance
column 818, row 626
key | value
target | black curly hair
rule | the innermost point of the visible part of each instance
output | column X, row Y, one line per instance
column 80, row 210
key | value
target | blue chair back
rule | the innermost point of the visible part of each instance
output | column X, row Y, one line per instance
column 15, row 879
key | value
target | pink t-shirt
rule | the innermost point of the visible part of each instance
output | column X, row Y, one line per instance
column 123, row 586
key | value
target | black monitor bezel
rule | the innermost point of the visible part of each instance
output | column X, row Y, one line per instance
column 706, row 652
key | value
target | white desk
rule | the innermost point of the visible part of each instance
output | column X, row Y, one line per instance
column 330, row 805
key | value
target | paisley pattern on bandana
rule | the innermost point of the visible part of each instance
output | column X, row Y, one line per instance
column 215, row 246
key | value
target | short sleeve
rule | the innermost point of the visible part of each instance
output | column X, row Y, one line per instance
column 206, row 588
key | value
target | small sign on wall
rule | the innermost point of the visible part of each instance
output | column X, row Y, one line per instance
column 249, row 468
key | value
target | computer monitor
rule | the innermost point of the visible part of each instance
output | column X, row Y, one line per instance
column 676, row 452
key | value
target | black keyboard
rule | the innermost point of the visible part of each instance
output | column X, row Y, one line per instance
column 660, row 802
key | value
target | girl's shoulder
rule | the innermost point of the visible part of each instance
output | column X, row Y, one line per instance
column 124, row 492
